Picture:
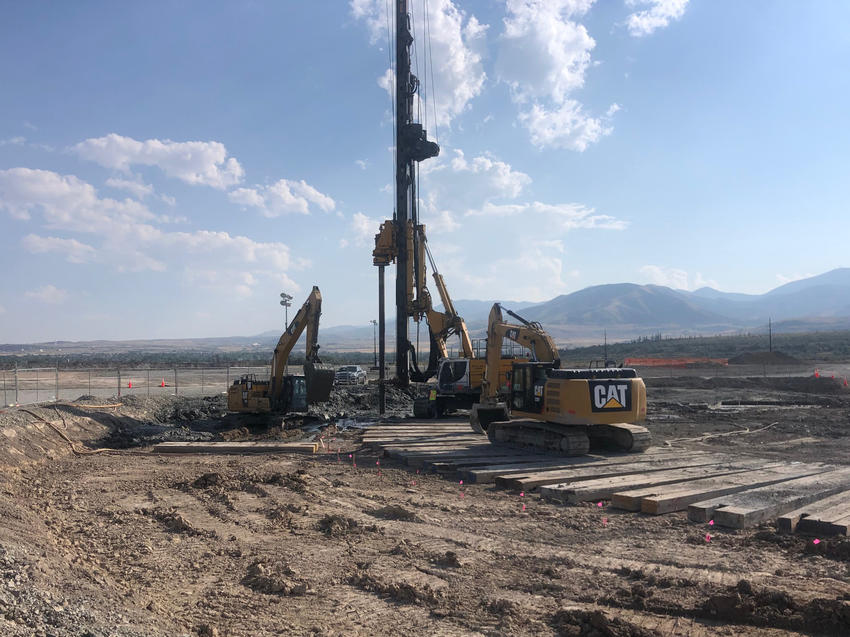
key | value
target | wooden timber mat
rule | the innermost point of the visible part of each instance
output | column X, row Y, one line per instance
column 733, row 490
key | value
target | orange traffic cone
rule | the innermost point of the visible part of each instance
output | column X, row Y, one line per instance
column 817, row 374
column 162, row 384
column 845, row 382
column 130, row 385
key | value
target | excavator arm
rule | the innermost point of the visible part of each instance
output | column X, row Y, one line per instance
column 528, row 334
column 306, row 317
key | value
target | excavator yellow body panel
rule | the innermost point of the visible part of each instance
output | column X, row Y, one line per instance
column 246, row 395
column 588, row 402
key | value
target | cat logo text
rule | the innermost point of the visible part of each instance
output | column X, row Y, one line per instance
column 610, row 395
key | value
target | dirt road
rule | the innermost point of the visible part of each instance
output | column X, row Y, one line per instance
column 131, row 543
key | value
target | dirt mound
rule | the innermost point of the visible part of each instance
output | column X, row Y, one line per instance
column 448, row 559
column 764, row 358
column 576, row 622
column 743, row 604
column 276, row 579
column 403, row 592
column 176, row 523
column 395, row 512
column 337, row 525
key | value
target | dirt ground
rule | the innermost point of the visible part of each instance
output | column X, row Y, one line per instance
column 126, row 542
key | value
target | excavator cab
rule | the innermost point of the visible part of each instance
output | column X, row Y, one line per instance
column 527, row 382
column 294, row 393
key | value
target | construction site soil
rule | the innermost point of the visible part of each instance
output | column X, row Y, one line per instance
column 100, row 536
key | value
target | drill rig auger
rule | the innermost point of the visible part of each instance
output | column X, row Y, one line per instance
column 441, row 325
column 557, row 410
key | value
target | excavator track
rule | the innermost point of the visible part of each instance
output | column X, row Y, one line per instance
column 572, row 441
column 569, row 440
column 622, row 436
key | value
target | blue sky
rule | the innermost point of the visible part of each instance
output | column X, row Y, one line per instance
column 166, row 169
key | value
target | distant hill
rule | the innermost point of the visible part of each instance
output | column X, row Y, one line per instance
column 624, row 304
column 623, row 310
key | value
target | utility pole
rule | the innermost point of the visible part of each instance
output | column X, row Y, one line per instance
column 374, row 341
column 382, row 352
column 605, row 337
column 770, row 333
column 286, row 301
column 411, row 146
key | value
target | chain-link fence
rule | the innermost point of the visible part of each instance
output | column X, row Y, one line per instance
column 32, row 385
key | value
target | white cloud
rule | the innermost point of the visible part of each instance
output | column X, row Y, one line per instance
column 134, row 186
column 239, row 283
column 560, row 217
column 457, row 47
column 454, row 185
column 74, row 251
column 657, row 16
column 554, row 244
column 566, row 126
column 676, row 278
column 48, row 294
column 442, row 222
column 126, row 236
column 196, row 162
column 65, row 201
column 543, row 57
column 362, row 230
column 543, row 52
column 533, row 275
column 283, row 197
column 362, row 164
column 13, row 141
column 2, row 310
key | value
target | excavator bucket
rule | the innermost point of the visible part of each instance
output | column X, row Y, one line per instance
column 320, row 382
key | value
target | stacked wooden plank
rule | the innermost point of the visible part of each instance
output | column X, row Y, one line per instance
column 734, row 491
column 830, row 516
column 769, row 502
column 678, row 496
column 236, row 447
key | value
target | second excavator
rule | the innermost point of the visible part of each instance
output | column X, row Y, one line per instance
column 557, row 410
column 284, row 392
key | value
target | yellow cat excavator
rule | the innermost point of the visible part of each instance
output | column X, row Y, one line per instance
column 283, row 392
column 553, row 409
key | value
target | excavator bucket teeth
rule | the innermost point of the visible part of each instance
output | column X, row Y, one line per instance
column 320, row 382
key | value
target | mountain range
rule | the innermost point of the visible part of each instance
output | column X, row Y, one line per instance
column 623, row 310
column 826, row 296
column 628, row 310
